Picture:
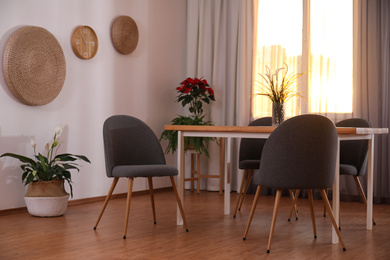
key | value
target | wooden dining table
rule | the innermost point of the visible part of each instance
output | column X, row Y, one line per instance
column 230, row 132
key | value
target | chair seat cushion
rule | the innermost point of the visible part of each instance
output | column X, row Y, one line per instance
column 346, row 169
column 154, row 170
column 249, row 164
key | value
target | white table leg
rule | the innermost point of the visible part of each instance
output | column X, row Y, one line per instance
column 180, row 177
column 336, row 195
column 228, row 168
column 370, row 180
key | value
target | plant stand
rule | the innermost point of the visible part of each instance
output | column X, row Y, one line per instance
column 195, row 171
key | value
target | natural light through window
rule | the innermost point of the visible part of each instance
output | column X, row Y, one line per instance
column 329, row 61
column 279, row 39
column 331, row 56
column 281, row 27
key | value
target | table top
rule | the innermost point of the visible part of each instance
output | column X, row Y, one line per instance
column 267, row 129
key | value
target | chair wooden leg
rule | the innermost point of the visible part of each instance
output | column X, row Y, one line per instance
column 330, row 212
column 326, row 191
column 240, row 193
column 113, row 185
column 360, row 188
column 152, row 198
column 179, row 202
column 313, row 221
column 274, row 216
column 296, row 202
column 294, row 205
column 129, row 194
column 248, row 182
column 256, row 199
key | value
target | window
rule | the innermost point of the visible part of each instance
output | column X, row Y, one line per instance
column 314, row 36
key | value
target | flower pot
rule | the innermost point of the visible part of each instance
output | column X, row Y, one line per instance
column 278, row 110
column 47, row 206
column 46, row 198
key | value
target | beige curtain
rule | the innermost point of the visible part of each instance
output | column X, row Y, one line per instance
column 219, row 48
column 371, row 96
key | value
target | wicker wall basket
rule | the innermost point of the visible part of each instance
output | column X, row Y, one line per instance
column 124, row 34
column 34, row 65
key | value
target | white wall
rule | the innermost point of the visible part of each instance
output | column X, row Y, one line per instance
column 141, row 84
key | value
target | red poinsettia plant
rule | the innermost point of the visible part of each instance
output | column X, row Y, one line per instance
column 192, row 92
column 195, row 91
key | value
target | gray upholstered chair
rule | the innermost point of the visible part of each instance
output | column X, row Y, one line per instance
column 299, row 154
column 354, row 155
column 132, row 150
column 249, row 159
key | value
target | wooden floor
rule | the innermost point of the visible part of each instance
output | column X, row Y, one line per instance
column 212, row 235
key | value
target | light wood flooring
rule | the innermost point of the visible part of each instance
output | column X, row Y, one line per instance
column 212, row 235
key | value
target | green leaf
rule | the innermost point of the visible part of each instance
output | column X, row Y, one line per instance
column 66, row 174
column 43, row 161
column 67, row 157
column 29, row 179
column 187, row 99
column 24, row 175
column 21, row 158
column 71, row 189
column 200, row 144
column 70, row 167
column 82, row 157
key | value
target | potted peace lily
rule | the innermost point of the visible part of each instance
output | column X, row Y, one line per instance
column 279, row 90
column 192, row 92
column 45, row 174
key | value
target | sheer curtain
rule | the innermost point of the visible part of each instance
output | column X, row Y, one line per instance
column 277, row 40
column 332, row 89
column 331, row 58
column 219, row 48
column 371, row 95
column 303, row 34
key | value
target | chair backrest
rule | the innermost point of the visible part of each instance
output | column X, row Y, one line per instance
column 300, row 153
column 354, row 152
column 251, row 149
column 129, row 141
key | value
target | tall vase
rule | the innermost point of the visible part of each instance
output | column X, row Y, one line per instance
column 278, row 110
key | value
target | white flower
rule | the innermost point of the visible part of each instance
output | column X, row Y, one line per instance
column 58, row 130
column 33, row 143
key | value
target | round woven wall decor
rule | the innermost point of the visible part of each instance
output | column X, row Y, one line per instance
column 124, row 33
column 34, row 65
